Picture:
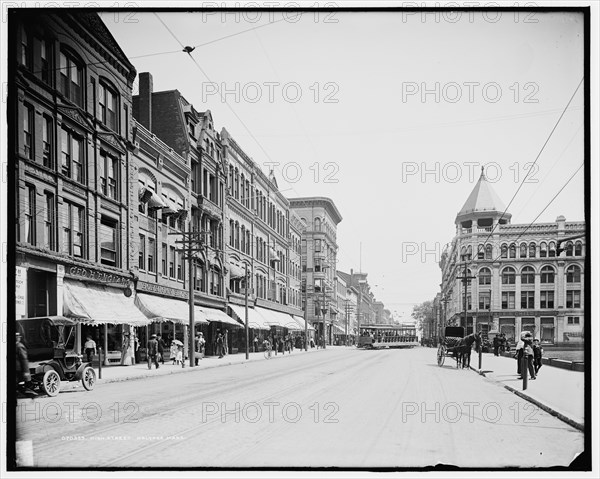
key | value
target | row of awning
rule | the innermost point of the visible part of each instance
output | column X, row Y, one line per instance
column 97, row 304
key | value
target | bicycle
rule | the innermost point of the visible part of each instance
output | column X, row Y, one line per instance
column 267, row 351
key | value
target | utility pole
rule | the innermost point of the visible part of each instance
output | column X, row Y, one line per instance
column 191, row 245
column 324, row 310
column 465, row 279
column 246, row 310
column 305, row 316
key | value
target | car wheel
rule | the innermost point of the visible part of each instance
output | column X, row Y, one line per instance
column 51, row 383
column 88, row 378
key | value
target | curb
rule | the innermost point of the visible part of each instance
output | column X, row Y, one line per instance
column 545, row 407
column 187, row 369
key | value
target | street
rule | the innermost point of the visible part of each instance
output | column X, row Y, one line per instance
column 339, row 407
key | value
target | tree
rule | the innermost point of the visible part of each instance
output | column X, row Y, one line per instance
column 424, row 314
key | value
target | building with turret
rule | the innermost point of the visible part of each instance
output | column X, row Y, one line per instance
column 518, row 276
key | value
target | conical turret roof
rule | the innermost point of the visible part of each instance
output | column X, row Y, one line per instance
column 482, row 199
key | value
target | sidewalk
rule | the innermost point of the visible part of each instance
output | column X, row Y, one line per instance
column 559, row 392
column 111, row 374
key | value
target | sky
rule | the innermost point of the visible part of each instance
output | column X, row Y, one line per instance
column 389, row 114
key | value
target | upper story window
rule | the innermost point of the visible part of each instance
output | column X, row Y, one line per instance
column 532, row 249
column 46, row 60
column 527, row 275
column 569, row 249
column 108, row 106
column 109, row 175
column 543, row 250
column 578, row 248
column 73, row 159
column 512, row 251
column 317, row 224
column 28, row 131
column 26, row 49
column 523, row 251
column 573, row 274
column 71, row 78
column 551, row 249
column 504, row 251
column 108, row 242
column 485, row 276
column 508, row 276
column 73, row 230
column 488, row 251
column 48, row 142
column 547, row 274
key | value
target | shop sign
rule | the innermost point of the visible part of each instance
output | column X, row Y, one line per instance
column 95, row 275
column 162, row 290
column 21, row 292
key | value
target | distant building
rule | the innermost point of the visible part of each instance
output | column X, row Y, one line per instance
column 319, row 259
column 520, row 281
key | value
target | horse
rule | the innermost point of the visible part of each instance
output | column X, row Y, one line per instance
column 462, row 350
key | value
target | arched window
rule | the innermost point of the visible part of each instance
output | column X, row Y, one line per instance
column 242, row 192
column 523, row 250
column 532, row 250
column 551, row 249
column 569, row 249
column 527, row 275
column 488, row 251
column 237, row 235
column 469, row 252
column 543, row 250
column 231, row 233
column 485, row 276
column 317, row 224
column 480, row 251
column 547, row 275
column 108, row 105
column 508, row 275
column 243, row 240
column 504, row 251
column 578, row 248
column 512, row 251
column 573, row 274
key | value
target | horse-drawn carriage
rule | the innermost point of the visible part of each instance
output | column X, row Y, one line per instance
column 455, row 344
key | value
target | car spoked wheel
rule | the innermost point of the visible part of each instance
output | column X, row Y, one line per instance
column 88, row 378
column 51, row 383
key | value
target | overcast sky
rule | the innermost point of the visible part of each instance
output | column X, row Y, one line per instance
column 356, row 106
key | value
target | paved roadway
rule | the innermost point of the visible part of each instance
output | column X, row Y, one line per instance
column 338, row 407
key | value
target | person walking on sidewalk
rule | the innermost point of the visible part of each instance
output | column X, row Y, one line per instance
column 161, row 348
column 256, row 344
column 152, row 351
column 219, row 344
column 173, row 352
column 524, row 348
column 537, row 355
column 89, row 348
column 496, row 342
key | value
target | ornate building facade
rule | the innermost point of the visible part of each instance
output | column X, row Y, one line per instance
column 71, row 96
column 517, row 278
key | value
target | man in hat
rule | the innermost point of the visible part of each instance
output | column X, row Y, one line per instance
column 524, row 348
column 199, row 346
column 152, row 352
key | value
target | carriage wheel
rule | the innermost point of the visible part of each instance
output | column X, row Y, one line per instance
column 88, row 378
column 441, row 355
column 51, row 383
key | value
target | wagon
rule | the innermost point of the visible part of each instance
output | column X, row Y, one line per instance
column 49, row 342
column 452, row 336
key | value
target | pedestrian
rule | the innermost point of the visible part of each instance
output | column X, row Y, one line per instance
column 537, row 355
column 312, row 342
column 496, row 343
column 199, row 347
column 524, row 348
column 152, row 348
column 161, row 348
column 173, row 352
column 90, row 348
column 179, row 355
column 255, row 344
column 219, row 344
column 225, row 342
column 23, row 373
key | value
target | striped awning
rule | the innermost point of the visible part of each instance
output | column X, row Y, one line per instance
column 216, row 315
column 276, row 318
column 236, row 271
column 159, row 309
column 301, row 323
column 96, row 304
column 255, row 320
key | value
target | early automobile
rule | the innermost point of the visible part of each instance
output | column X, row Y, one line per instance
column 50, row 348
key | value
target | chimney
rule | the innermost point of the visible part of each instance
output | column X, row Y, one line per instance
column 145, row 100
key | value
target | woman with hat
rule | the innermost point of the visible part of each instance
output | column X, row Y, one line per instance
column 525, row 347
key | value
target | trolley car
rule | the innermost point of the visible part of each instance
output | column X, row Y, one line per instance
column 381, row 336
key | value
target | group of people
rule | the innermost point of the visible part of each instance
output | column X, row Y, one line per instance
column 278, row 343
column 532, row 350
column 500, row 344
